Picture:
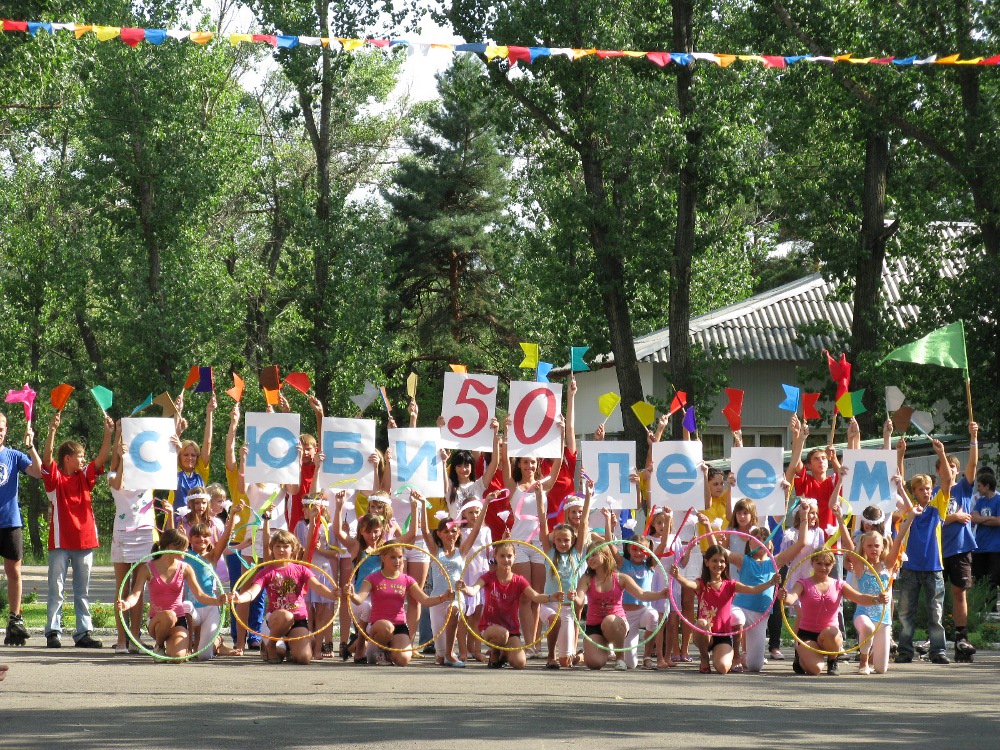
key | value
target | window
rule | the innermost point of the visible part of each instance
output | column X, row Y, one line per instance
column 771, row 440
column 711, row 446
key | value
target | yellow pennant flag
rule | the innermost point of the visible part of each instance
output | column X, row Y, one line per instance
column 530, row 361
column 578, row 53
column 201, row 37
column 726, row 60
column 106, row 33
column 646, row 413
column 351, row 44
column 237, row 39
column 949, row 60
column 82, row 29
column 459, row 368
column 845, row 406
column 411, row 385
column 494, row 51
column 608, row 402
column 633, row 53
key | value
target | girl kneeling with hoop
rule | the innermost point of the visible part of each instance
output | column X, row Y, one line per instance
column 500, row 624
column 715, row 591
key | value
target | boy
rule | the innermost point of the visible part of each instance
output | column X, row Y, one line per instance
column 986, row 516
column 958, row 543
column 924, row 564
column 73, row 530
column 12, row 464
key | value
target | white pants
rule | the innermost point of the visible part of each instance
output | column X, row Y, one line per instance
column 645, row 619
column 756, row 637
column 878, row 647
column 566, row 638
column 438, row 614
column 208, row 620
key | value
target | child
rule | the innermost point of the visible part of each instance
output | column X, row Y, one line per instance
column 959, row 542
column 661, row 525
column 72, row 529
column 208, row 626
column 323, row 556
column 819, row 598
column 503, row 591
column 639, row 565
column 166, row 575
column 564, row 546
column 389, row 589
column 444, row 545
column 286, row 608
column 692, row 565
column 986, row 516
column 198, row 512
column 461, row 484
column 923, row 565
column 468, row 647
column 192, row 462
column 601, row 588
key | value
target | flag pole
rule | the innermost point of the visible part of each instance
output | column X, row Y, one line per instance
column 968, row 398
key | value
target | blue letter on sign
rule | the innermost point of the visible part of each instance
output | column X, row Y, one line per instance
column 680, row 481
column 259, row 447
column 756, row 479
column 870, row 482
column 352, row 460
column 604, row 461
column 135, row 451
column 406, row 469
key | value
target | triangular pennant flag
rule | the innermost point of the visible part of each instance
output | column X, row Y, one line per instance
column 299, row 381
column 272, row 396
column 530, row 361
column 901, row 418
column 894, row 398
column 608, row 402
column 679, row 402
column 144, row 405
column 646, row 413
column 165, row 402
column 103, row 397
column 690, row 423
column 576, row 362
column 206, row 380
column 60, row 395
column 840, row 373
column 385, row 400
column 809, row 405
column 793, row 395
column 462, row 369
column 735, row 420
column 542, row 372
column 25, row 396
column 923, row 421
column 733, row 410
column 364, row 399
column 944, row 347
column 236, row 392
column 192, row 378
column 411, row 384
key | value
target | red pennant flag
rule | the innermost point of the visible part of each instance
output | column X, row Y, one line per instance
column 840, row 372
column 132, row 37
column 15, row 25
column 659, row 58
column 299, row 381
column 809, row 405
column 679, row 402
column 733, row 410
column 515, row 54
column 382, row 44
column 774, row 61
column 603, row 54
column 194, row 375
column 266, row 38
column 60, row 395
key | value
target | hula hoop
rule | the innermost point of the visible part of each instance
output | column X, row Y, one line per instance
column 763, row 615
column 411, row 647
column 137, row 641
column 474, row 633
column 881, row 617
column 662, row 621
column 240, row 581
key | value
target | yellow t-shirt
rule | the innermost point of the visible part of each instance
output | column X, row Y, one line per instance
column 717, row 509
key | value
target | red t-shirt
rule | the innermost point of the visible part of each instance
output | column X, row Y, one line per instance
column 502, row 601
column 294, row 507
column 563, row 487
column 72, row 525
column 806, row 485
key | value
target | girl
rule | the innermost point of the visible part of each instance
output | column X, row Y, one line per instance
column 361, row 550
column 472, row 514
column 323, row 556
column 819, row 599
column 166, row 575
column 461, row 484
column 601, row 587
column 198, row 512
column 206, row 619
column 661, row 525
column 286, row 608
column 192, row 462
column 564, row 547
column 389, row 588
column 691, row 565
column 715, row 590
column 639, row 564
column 503, row 591
column 443, row 542
column 744, row 519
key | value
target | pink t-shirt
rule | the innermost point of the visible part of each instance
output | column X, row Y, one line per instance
column 164, row 595
column 819, row 610
column 502, row 601
column 717, row 605
column 388, row 597
column 284, row 588
column 600, row 604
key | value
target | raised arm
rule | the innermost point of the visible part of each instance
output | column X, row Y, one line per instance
column 799, row 434
column 490, row 470
column 543, row 518
column 234, row 421
column 117, row 462
column 35, row 470
column 887, row 435
column 206, row 443
column 947, row 477
column 50, row 441
column 425, row 526
column 786, row 556
column 351, row 545
column 105, row 450
column 583, row 538
column 466, row 547
column 571, row 414
column 973, row 462
column 413, row 411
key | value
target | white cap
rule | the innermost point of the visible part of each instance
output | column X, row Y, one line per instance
column 474, row 503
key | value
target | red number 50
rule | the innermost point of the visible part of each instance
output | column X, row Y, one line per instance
column 482, row 412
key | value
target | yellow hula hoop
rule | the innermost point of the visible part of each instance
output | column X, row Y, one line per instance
column 862, row 644
column 246, row 575
column 543, row 636
column 412, row 647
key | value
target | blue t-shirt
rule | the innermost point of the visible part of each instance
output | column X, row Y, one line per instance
column 205, row 576
column 957, row 538
column 988, row 537
column 12, row 463
column 869, row 584
column 923, row 547
column 569, row 567
column 642, row 575
column 753, row 573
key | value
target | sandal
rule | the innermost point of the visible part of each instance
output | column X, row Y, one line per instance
column 737, row 669
column 647, row 663
column 683, row 657
column 705, row 668
column 552, row 665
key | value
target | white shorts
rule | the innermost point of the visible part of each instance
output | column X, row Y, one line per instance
column 524, row 554
column 416, row 556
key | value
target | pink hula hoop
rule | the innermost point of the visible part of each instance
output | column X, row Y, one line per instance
column 696, row 628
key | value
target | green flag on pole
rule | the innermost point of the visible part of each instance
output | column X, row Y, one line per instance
column 944, row 347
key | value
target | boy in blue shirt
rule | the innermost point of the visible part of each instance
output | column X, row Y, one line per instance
column 959, row 542
column 986, row 516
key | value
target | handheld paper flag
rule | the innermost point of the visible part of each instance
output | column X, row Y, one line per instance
column 103, row 397
column 542, row 373
column 459, row 368
column 840, row 372
column 166, row 403
column 646, row 413
column 411, row 384
column 809, row 405
column 944, row 347
column 144, row 405
column 236, row 392
column 364, row 400
column 850, row 404
column 793, row 395
column 679, row 402
column 206, row 380
column 299, row 381
column 60, row 395
column 923, row 421
column 270, row 380
column 192, row 377
column 576, row 363
column 690, row 423
column 733, row 410
column 530, row 361
column 608, row 402
column 25, row 396
column 894, row 398
column 385, row 400
column 272, row 396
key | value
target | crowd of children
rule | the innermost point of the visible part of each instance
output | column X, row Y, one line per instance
column 505, row 559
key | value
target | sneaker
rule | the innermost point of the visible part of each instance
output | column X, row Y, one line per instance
column 620, row 665
column 88, row 641
column 429, row 649
column 52, row 640
column 865, row 669
column 382, row 659
column 940, row 658
column 253, row 645
column 833, row 667
column 457, row 663
column 777, row 655
column 903, row 658
column 327, row 649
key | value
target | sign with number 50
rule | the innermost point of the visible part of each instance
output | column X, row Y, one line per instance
column 534, row 414
column 468, row 406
